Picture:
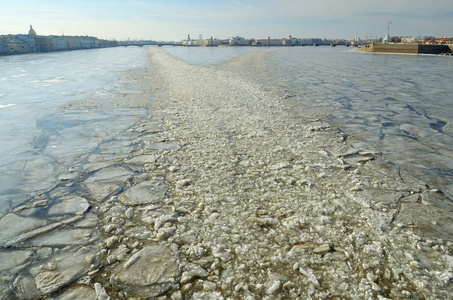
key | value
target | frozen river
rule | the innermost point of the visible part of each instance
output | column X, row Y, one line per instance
column 398, row 104
column 55, row 105
column 271, row 175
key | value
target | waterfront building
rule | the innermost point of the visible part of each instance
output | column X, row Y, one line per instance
column 290, row 41
column 215, row 42
column 187, row 42
column 43, row 44
column 73, row 42
column 238, row 41
column 267, row 42
column 87, row 42
column 31, row 42
column 59, row 43
column 310, row 42
column 20, row 43
column 275, row 42
column 4, row 49
column 107, row 43
column 16, row 45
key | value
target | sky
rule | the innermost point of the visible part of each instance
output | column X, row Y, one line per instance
column 173, row 20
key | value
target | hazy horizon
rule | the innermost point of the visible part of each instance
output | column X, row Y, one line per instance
column 174, row 20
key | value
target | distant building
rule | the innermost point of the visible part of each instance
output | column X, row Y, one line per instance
column 31, row 42
column 187, row 42
column 87, row 42
column 17, row 45
column 43, row 44
column 408, row 39
column 31, row 38
column 73, row 42
column 424, row 38
column 310, row 42
column 386, row 39
column 59, row 43
column 238, row 41
column 290, row 41
column 358, row 41
column 267, row 42
column 4, row 49
column 107, row 43
column 215, row 42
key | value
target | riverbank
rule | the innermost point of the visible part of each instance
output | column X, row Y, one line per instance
column 408, row 49
column 230, row 190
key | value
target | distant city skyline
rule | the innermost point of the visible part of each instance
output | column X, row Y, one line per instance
column 173, row 20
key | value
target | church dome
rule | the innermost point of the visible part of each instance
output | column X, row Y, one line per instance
column 31, row 31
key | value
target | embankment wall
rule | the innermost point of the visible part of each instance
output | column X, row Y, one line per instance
column 408, row 48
